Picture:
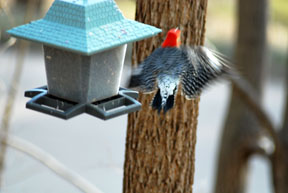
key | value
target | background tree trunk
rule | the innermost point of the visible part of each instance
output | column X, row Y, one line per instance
column 160, row 150
column 241, row 133
column 280, row 157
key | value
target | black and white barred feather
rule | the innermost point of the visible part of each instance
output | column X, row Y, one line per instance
column 193, row 67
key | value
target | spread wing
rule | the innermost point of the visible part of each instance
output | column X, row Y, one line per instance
column 202, row 66
column 161, row 61
column 196, row 66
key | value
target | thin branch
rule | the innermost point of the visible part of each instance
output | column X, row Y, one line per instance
column 5, row 8
column 9, row 43
column 4, row 129
column 247, row 93
column 53, row 164
column 284, row 129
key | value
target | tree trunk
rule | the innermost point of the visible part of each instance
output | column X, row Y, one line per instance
column 160, row 149
column 242, row 132
column 280, row 157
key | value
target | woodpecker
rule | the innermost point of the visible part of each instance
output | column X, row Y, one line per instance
column 170, row 65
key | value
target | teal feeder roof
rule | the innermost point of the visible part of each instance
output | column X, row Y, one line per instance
column 84, row 26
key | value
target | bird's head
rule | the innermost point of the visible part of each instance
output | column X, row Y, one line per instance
column 172, row 38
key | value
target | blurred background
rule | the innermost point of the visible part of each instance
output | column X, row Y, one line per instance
column 94, row 148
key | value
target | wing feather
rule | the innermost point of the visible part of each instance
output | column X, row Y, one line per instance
column 202, row 66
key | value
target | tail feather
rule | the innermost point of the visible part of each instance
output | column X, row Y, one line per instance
column 169, row 103
column 157, row 101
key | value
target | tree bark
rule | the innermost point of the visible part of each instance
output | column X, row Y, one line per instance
column 160, row 149
column 242, row 132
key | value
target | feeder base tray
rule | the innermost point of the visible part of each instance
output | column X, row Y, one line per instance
column 123, row 103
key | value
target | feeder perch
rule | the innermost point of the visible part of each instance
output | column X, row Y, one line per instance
column 84, row 43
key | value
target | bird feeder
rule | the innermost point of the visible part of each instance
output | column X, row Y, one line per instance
column 84, row 43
